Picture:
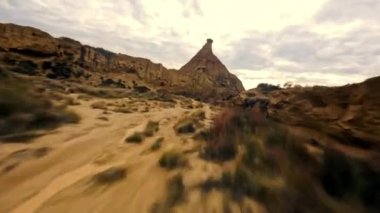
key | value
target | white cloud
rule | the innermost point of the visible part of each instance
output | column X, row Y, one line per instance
column 311, row 42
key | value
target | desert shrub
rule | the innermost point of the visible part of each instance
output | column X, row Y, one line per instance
column 199, row 115
column 112, row 83
column 190, row 123
column 103, row 118
column 162, row 96
column 136, row 137
column 27, row 67
column 42, row 151
column 23, row 110
column 175, row 195
column 185, row 126
column 99, row 105
column 141, row 89
column 122, row 110
column 60, row 70
column 102, row 92
column 110, row 176
column 265, row 88
column 157, row 144
column 270, row 154
column 230, row 128
column 84, row 97
column 151, row 128
column 338, row 174
column 176, row 190
column 172, row 159
column 344, row 177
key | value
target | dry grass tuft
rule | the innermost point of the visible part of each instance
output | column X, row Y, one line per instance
column 110, row 176
column 172, row 159
column 151, row 128
column 136, row 137
column 190, row 123
column 23, row 111
column 157, row 144
column 99, row 105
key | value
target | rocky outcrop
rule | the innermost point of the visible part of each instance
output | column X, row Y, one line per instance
column 206, row 69
column 27, row 41
column 31, row 51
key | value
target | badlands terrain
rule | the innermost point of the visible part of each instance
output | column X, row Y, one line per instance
column 83, row 129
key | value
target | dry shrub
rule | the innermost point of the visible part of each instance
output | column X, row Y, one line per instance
column 176, row 190
column 23, row 110
column 99, row 105
column 136, row 137
column 110, row 176
column 269, row 154
column 157, row 144
column 122, row 110
column 190, row 123
column 172, row 159
column 151, row 128
column 231, row 127
column 101, row 92
column 175, row 195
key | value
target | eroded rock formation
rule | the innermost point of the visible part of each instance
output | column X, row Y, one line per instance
column 31, row 51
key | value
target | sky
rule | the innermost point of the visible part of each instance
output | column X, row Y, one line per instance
column 318, row 42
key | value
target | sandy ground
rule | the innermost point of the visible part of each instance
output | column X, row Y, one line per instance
column 61, row 180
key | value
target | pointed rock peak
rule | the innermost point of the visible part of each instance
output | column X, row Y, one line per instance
column 206, row 49
column 207, row 64
column 209, row 43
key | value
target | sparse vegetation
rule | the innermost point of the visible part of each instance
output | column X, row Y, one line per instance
column 190, row 123
column 99, row 105
column 172, row 159
column 42, row 151
column 26, row 67
column 276, row 169
column 110, row 176
column 265, row 88
column 176, row 190
column 157, row 144
column 103, row 118
column 185, row 126
column 136, row 137
column 122, row 110
column 23, row 110
column 151, row 128
column 175, row 195
column 230, row 128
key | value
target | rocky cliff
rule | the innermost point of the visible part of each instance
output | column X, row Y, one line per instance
column 31, row 51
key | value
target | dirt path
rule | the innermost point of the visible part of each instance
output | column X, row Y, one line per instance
column 61, row 180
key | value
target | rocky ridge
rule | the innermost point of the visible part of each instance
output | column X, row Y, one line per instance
column 31, row 51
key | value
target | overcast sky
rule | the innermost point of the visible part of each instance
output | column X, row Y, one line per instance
column 324, row 42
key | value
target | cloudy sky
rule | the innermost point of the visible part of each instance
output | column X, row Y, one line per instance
column 324, row 42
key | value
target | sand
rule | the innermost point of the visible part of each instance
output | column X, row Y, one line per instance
column 62, row 180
